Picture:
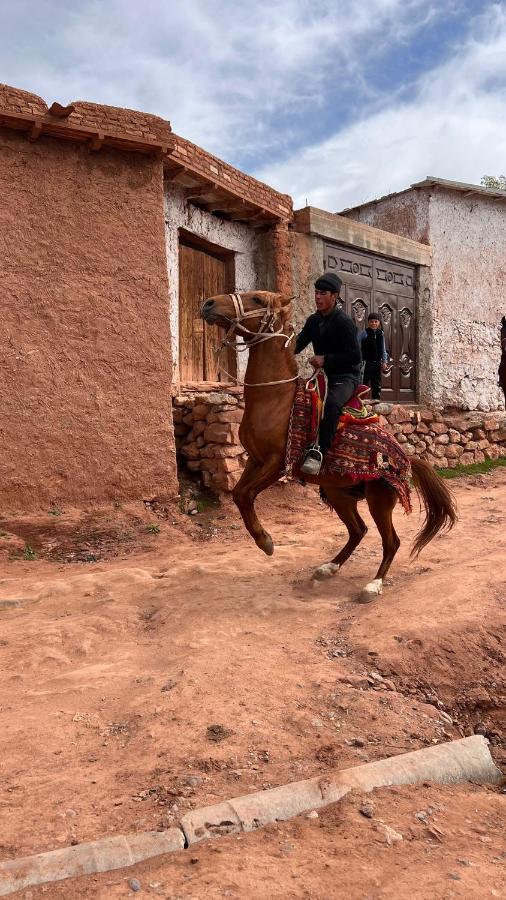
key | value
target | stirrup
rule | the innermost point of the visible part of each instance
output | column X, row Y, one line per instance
column 312, row 462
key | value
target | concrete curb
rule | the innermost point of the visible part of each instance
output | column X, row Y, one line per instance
column 87, row 859
column 468, row 759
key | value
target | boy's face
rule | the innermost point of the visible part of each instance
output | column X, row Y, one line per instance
column 374, row 324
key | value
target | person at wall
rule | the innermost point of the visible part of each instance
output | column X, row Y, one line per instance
column 374, row 354
column 334, row 338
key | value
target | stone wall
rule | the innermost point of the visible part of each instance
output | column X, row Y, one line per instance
column 206, row 425
column 446, row 439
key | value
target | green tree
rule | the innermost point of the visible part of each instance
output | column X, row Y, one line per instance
column 497, row 182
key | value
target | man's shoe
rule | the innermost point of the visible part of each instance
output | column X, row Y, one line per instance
column 312, row 463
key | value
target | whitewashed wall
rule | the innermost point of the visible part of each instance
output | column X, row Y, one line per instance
column 468, row 237
column 462, row 297
column 235, row 236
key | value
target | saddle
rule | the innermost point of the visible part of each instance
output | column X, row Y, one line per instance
column 356, row 408
column 362, row 450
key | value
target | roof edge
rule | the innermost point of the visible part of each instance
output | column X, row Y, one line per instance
column 428, row 182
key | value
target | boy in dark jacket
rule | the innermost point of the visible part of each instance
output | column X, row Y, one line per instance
column 334, row 339
column 374, row 354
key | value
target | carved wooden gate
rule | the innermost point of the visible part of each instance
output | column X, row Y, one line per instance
column 202, row 274
column 374, row 284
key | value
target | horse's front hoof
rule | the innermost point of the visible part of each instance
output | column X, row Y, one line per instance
column 328, row 570
column 371, row 591
column 266, row 544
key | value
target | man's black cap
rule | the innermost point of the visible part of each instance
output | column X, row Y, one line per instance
column 328, row 282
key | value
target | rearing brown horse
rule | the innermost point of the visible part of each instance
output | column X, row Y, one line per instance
column 261, row 319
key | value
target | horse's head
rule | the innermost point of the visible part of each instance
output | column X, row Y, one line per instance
column 248, row 313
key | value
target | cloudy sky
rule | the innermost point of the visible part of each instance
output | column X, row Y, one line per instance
column 332, row 101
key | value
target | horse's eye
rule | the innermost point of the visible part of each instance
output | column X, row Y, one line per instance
column 258, row 300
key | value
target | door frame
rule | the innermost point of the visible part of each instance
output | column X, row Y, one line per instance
column 362, row 251
column 189, row 239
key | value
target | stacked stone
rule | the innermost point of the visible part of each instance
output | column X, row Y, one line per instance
column 206, row 427
column 446, row 440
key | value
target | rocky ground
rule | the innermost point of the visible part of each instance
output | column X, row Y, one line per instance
column 153, row 662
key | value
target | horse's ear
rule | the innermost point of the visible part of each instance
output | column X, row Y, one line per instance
column 285, row 307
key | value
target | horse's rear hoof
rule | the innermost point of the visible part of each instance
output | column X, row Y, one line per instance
column 371, row 591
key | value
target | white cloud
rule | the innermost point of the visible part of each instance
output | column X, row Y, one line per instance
column 452, row 128
column 223, row 72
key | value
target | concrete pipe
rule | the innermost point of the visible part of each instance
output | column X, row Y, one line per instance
column 465, row 760
column 87, row 859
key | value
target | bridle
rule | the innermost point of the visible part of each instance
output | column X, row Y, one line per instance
column 265, row 333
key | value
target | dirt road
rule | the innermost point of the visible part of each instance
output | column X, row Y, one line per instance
column 127, row 638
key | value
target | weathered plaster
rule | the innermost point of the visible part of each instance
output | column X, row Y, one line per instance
column 405, row 214
column 360, row 234
column 307, row 266
column 461, row 296
column 235, row 236
column 468, row 235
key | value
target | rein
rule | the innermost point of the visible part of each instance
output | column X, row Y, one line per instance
column 264, row 333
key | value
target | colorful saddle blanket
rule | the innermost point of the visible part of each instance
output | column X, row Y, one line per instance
column 362, row 450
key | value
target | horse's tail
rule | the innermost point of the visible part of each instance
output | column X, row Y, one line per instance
column 438, row 501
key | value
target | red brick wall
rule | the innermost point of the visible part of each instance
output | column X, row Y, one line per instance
column 85, row 362
column 18, row 101
column 127, row 122
column 231, row 179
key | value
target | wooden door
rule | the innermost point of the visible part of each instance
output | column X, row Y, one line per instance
column 201, row 275
column 373, row 283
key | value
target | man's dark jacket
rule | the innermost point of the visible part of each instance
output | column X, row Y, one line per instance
column 335, row 337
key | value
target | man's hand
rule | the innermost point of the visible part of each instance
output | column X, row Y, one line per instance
column 317, row 362
column 384, row 366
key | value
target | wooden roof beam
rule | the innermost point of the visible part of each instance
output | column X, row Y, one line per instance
column 174, row 171
column 252, row 215
column 227, row 204
column 35, row 131
column 96, row 142
column 199, row 190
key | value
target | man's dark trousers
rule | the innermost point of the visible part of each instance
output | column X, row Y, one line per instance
column 372, row 377
column 339, row 392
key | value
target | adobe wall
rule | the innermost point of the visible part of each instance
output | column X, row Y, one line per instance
column 85, row 360
column 406, row 214
column 461, row 298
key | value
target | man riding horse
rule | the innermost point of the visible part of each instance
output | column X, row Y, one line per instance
column 334, row 338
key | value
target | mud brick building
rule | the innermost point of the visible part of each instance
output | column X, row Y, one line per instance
column 113, row 230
